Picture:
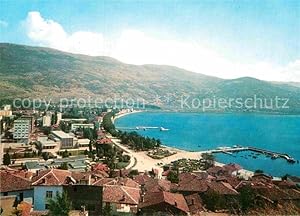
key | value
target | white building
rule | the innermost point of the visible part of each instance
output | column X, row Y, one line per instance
column 81, row 126
column 83, row 142
column 47, row 121
column 47, row 143
column 22, row 128
column 6, row 111
column 58, row 117
column 66, row 140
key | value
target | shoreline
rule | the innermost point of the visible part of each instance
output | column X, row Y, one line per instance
column 124, row 114
column 144, row 162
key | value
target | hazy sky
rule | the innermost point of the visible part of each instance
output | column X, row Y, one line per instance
column 227, row 39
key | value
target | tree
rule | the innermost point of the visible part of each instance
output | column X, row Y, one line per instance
column 39, row 147
column 133, row 173
column 45, row 156
column 258, row 171
column 61, row 205
column 173, row 177
column 6, row 159
column 64, row 166
column 246, row 198
column 107, row 210
column 214, row 201
column 208, row 159
column 65, row 154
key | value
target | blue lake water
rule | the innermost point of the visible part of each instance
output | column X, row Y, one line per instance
column 195, row 132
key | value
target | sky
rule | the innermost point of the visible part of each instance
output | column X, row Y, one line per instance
column 227, row 39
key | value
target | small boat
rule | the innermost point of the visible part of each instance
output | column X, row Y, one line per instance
column 164, row 129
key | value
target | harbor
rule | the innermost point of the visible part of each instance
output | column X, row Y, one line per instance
column 273, row 154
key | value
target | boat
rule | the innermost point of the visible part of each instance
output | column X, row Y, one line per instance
column 164, row 129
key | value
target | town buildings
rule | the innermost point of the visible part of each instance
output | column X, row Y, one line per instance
column 66, row 140
column 47, row 120
column 76, row 126
column 22, row 128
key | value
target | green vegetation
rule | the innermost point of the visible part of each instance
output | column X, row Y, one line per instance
column 160, row 153
column 173, row 176
column 246, row 198
column 190, row 165
column 214, row 201
column 6, row 159
column 64, row 166
column 60, row 205
column 258, row 171
column 208, row 160
column 138, row 142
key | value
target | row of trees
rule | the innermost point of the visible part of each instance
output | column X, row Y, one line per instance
column 132, row 139
column 138, row 142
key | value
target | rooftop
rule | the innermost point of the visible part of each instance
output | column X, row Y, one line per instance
column 61, row 134
column 11, row 182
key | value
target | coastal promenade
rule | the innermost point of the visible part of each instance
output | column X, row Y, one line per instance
column 142, row 162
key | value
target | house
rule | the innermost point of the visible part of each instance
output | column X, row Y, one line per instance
column 77, row 186
column 100, row 167
column 218, row 171
column 88, row 196
column 190, row 183
column 12, row 184
column 194, row 203
column 157, row 185
column 141, row 179
column 46, row 184
column 262, row 177
column 222, row 188
column 163, row 202
column 294, row 179
column 121, row 194
column 232, row 168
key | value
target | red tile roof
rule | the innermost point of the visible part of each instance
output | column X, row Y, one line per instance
column 194, row 203
column 11, row 182
column 142, row 179
column 157, row 198
column 117, row 181
column 231, row 167
column 121, row 194
column 190, row 182
column 104, row 141
column 156, row 185
column 222, row 188
column 53, row 177
column 100, row 167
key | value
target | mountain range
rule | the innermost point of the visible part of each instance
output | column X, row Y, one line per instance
column 38, row 72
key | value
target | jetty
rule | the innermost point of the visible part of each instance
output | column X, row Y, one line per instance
column 274, row 155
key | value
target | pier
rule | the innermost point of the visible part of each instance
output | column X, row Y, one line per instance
column 274, row 155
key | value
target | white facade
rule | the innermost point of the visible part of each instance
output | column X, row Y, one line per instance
column 78, row 126
column 22, row 128
column 59, row 118
column 47, row 121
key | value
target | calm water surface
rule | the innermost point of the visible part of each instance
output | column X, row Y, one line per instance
column 195, row 132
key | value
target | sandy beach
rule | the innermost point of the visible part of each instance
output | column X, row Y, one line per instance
column 144, row 162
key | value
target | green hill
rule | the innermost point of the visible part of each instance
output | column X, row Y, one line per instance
column 42, row 72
